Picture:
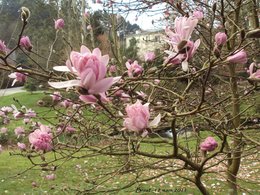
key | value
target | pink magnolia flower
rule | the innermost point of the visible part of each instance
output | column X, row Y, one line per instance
column 26, row 120
column 18, row 77
column 86, row 14
column 56, row 96
column 182, row 49
column 59, row 24
column 138, row 116
column 183, row 28
column 21, row 146
column 26, row 43
column 30, row 113
column 254, row 75
column 182, row 58
column 50, row 177
column 90, row 69
column 112, row 68
column 3, row 48
column 69, row 129
column 89, row 27
column 141, row 94
column 156, row 81
column 2, row 114
column 209, row 144
column 240, row 57
column 149, row 56
column 220, row 38
column 41, row 139
column 7, row 109
column 134, row 69
column 19, row 131
column 166, row 14
column 125, row 97
column 18, row 114
column 198, row 15
column 66, row 103
column 3, row 130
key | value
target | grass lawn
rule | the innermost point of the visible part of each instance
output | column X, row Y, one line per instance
column 85, row 172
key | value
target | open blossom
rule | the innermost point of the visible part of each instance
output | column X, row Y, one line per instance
column 66, row 103
column 209, row 144
column 7, row 109
column 56, row 96
column 69, row 129
column 112, row 69
column 21, row 146
column 19, row 131
column 182, row 48
column 89, row 27
column 50, row 177
column 138, row 117
column 240, row 57
column 18, row 77
column 220, row 38
column 3, row 130
column 30, row 113
column 41, row 139
column 134, row 69
column 59, row 24
column 90, row 69
column 26, row 43
column 3, row 48
column 198, row 15
column 149, row 56
column 254, row 71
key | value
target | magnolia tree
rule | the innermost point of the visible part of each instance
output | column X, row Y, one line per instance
column 123, row 110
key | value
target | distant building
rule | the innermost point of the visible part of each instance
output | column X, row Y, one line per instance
column 147, row 41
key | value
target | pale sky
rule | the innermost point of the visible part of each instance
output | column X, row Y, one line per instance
column 144, row 20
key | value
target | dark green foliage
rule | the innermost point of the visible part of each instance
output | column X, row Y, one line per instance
column 131, row 51
column 31, row 85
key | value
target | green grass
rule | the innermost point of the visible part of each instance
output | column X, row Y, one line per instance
column 70, row 177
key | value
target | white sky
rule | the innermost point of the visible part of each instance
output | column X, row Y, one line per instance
column 144, row 20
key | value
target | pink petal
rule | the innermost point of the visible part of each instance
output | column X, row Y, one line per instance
column 61, row 68
column 89, row 99
column 105, row 59
column 64, row 84
column 97, row 53
column 84, row 49
column 101, row 86
column 155, row 121
column 116, row 79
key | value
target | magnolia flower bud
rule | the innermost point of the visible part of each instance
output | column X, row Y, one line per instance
column 238, row 58
column 25, row 13
column 26, row 43
column 59, row 24
column 220, row 38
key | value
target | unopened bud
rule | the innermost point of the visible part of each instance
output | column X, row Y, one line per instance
column 214, row 7
column 25, row 13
